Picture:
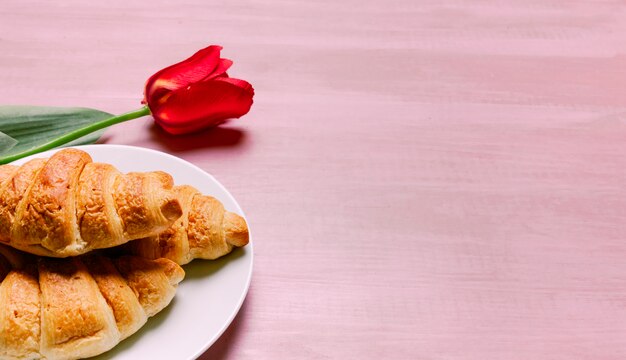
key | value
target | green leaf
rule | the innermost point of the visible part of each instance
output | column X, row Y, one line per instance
column 6, row 142
column 25, row 128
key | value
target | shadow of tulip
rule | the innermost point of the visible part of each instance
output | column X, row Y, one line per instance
column 221, row 348
column 210, row 138
column 104, row 139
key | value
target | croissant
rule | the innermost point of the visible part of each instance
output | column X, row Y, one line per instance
column 68, row 205
column 79, row 307
column 205, row 231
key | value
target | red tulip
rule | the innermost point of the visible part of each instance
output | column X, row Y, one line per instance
column 197, row 93
column 185, row 97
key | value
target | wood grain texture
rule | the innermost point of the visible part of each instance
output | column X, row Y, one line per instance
column 424, row 179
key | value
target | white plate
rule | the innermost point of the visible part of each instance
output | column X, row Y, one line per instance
column 211, row 294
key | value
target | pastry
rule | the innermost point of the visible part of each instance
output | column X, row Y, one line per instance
column 205, row 231
column 58, row 309
column 68, row 205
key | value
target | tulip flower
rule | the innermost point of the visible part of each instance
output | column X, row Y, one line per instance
column 186, row 97
column 197, row 93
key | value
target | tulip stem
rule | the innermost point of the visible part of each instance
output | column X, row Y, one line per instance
column 78, row 133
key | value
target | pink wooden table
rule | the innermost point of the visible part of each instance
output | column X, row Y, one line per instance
column 424, row 179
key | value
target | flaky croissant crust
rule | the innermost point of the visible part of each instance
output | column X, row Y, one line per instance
column 79, row 307
column 68, row 205
column 206, row 230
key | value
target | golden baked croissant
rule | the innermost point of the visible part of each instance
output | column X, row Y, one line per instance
column 78, row 307
column 68, row 205
column 204, row 231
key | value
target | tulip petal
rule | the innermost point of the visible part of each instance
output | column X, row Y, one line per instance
column 220, row 69
column 203, row 105
column 202, row 65
column 239, row 83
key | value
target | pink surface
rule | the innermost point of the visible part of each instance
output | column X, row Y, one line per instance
column 424, row 179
